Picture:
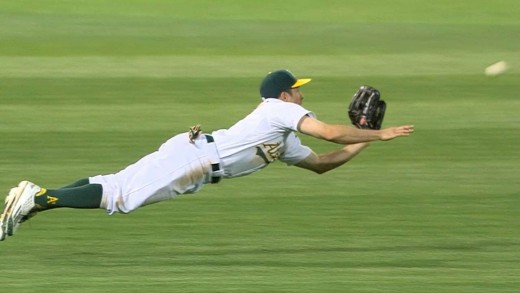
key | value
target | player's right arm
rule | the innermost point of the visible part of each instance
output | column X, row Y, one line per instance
column 325, row 162
column 343, row 134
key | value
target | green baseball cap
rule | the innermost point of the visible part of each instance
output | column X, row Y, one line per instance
column 278, row 81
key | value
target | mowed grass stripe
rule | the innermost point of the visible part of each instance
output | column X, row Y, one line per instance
column 252, row 66
column 488, row 115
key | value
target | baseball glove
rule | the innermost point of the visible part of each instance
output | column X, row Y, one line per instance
column 367, row 110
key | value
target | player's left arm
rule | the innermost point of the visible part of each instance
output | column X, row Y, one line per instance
column 344, row 134
column 328, row 161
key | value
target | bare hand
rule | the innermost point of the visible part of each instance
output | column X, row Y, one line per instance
column 393, row 132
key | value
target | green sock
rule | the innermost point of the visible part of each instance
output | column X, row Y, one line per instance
column 81, row 197
column 78, row 183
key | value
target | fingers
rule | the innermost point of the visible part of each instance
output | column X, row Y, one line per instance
column 406, row 130
column 393, row 132
column 409, row 129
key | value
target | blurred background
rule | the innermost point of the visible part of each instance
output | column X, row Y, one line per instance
column 88, row 87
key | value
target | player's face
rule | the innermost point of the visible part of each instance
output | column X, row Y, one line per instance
column 294, row 96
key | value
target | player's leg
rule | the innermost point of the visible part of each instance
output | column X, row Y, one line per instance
column 178, row 167
column 78, row 183
column 27, row 199
column 87, row 196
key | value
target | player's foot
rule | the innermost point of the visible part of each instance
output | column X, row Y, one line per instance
column 19, row 206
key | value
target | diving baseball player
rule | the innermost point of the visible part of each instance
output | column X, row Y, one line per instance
column 187, row 161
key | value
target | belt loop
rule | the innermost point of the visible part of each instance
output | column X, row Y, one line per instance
column 216, row 172
column 215, row 168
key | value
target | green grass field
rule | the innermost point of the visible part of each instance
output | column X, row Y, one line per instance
column 88, row 87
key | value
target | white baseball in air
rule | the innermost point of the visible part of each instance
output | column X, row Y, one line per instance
column 496, row 68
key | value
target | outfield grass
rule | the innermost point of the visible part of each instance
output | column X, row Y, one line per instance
column 88, row 87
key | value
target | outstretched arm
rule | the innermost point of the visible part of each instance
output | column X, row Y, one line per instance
column 326, row 162
column 343, row 134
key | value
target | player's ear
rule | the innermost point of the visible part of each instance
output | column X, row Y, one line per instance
column 283, row 96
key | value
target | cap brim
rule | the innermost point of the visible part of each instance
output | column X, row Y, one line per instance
column 301, row 82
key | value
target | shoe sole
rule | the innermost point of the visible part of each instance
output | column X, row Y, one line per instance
column 7, row 223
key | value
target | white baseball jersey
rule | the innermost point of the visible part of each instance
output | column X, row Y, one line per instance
column 180, row 166
column 267, row 134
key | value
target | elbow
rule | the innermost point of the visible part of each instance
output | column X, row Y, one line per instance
column 320, row 171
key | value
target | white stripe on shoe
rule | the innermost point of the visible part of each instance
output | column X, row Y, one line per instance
column 18, row 204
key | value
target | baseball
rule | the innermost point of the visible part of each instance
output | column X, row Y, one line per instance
column 496, row 68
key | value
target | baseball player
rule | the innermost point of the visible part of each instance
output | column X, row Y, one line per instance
column 187, row 161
